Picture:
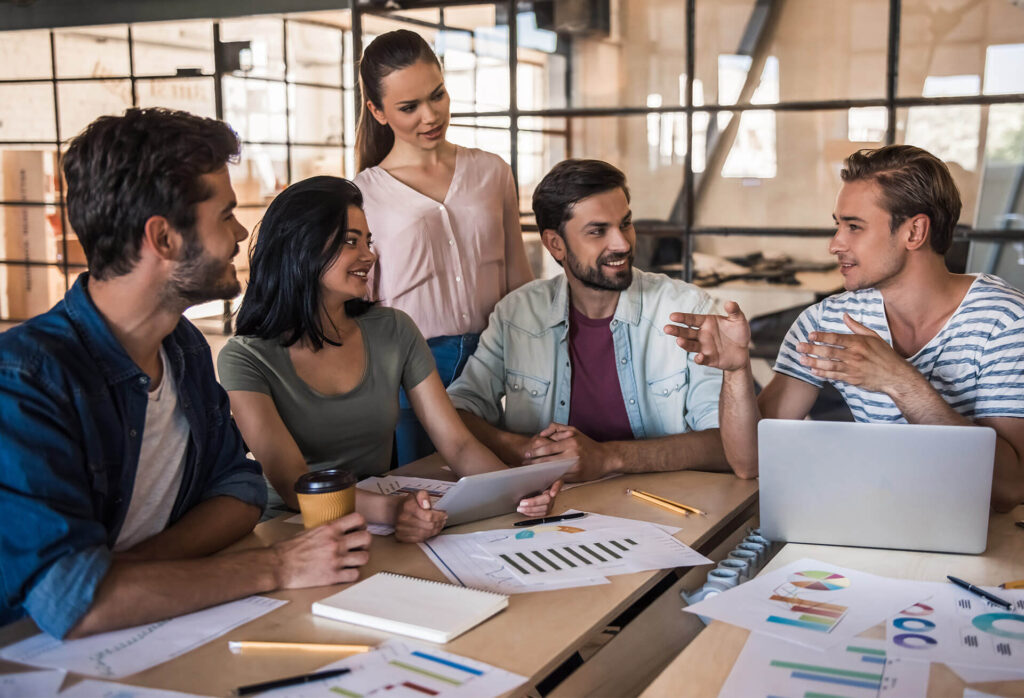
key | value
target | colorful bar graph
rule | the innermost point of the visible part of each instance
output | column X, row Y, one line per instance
column 809, row 615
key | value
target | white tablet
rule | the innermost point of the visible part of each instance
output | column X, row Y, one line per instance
column 499, row 492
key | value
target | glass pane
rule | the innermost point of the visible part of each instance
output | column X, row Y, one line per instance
column 350, row 114
column 475, row 59
column 626, row 57
column 81, row 102
column 494, row 140
column 26, row 112
column 983, row 146
column 260, row 174
column 25, row 54
column 256, row 109
column 375, row 25
column 960, row 49
column 653, row 169
column 193, row 95
column 314, row 53
column 348, row 73
column 31, row 233
column 315, row 114
column 792, row 65
column 772, row 169
column 167, row 48
column 309, row 161
column 266, row 44
column 92, row 52
column 539, row 151
column 28, row 174
column 27, row 291
column 999, row 203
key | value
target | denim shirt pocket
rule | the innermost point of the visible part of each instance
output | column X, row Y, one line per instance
column 525, row 398
column 667, row 397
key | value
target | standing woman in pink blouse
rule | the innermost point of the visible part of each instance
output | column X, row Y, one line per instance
column 445, row 219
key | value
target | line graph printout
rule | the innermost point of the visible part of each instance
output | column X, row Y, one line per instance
column 31, row 683
column 954, row 626
column 402, row 669
column 90, row 688
column 123, row 652
column 812, row 603
column 855, row 669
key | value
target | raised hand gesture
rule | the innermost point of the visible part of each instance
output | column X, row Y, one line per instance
column 719, row 341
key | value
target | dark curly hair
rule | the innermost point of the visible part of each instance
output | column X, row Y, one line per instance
column 568, row 183
column 121, row 170
column 300, row 236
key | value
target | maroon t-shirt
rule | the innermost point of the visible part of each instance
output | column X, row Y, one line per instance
column 596, row 407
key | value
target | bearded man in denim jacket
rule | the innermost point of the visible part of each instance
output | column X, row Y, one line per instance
column 121, row 470
column 582, row 360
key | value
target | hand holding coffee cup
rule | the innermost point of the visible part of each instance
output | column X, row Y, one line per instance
column 325, row 495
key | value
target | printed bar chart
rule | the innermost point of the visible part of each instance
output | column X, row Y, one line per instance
column 560, row 558
column 836, row 676
column 810, row 615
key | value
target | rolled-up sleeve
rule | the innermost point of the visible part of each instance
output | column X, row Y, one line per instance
column 482, row 384
column 53, row 552
column 704, row 383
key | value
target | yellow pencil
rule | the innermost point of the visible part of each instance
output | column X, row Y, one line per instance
column 695, row 510
column 657, row 502
column 1019, row 584
column 238, row 646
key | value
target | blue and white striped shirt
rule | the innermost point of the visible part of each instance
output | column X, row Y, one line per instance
column 975, row 362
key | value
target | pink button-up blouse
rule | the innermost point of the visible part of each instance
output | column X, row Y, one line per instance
column 447, row 263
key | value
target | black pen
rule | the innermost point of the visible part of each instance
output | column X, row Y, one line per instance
column 980, row 592
column 551, row 519
column 290, row 681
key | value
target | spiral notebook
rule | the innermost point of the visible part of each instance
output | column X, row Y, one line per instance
column 432, row 611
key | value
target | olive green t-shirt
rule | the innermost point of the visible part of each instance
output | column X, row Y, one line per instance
column 352, row 430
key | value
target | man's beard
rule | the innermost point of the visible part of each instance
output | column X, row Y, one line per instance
column 199, row 278
column 594, row 277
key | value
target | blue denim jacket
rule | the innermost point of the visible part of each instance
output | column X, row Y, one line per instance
column 72, row 411
column 523, row 356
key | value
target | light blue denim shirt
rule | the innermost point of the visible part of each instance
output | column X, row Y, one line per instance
column 523, row 356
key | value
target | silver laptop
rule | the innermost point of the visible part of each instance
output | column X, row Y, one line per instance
column 904, row 486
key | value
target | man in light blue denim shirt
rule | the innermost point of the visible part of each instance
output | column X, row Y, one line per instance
column 582, row 360
column 121, row 470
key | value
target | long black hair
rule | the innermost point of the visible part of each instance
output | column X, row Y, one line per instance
column 299, row 237
column 387, row 53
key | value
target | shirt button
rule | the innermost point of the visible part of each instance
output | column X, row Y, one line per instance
column 614, row 323
column 451, row 242
column 143, row 380
column 562, row 403
column 622, row 361
column 458, row 278
column 533, row 392
column 665, row 392
column 515, row 386
column 132, row 433
column 464, row 316
column 632, row 402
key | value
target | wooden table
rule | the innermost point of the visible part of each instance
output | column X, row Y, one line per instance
column 701, row 669
column 535, row 635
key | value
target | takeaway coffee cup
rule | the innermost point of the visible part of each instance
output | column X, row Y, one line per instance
column 326, row 495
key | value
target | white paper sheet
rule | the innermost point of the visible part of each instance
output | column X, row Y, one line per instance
column 984, row 674
column 403, row 669
column 461, row 559
column 768, row 666
column 810, row 602
column 566, row 551
column 90, row 688
column 122, row 652
column 31, row 683
column 954, row 626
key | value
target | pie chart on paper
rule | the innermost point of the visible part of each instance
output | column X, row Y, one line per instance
column 817, row 580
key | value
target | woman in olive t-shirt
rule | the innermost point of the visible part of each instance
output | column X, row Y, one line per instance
column 314, row 371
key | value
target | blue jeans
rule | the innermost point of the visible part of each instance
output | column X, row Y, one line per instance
column 450, row 354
